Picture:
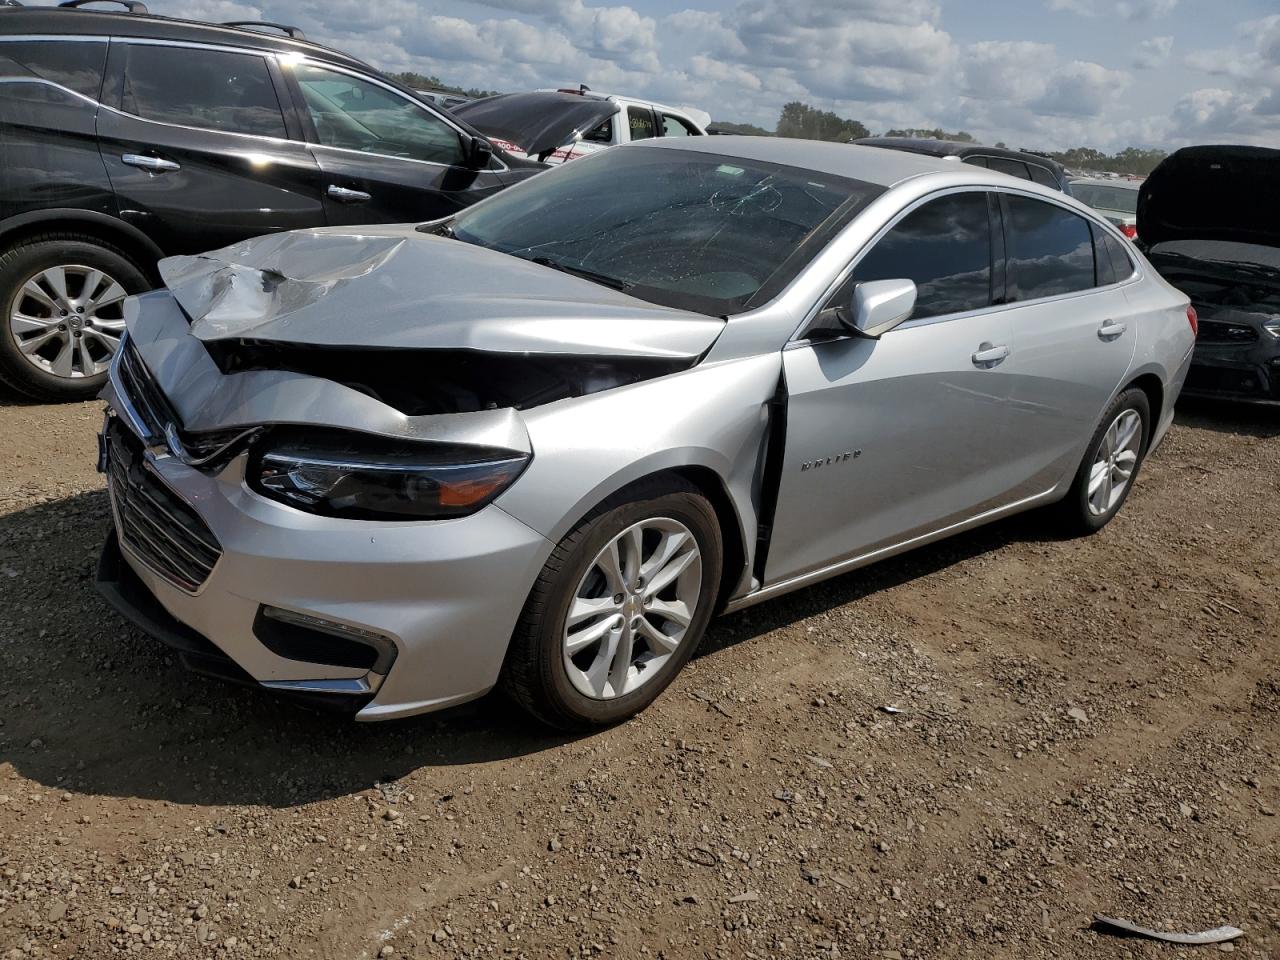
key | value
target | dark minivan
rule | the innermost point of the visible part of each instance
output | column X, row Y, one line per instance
column 126, row 137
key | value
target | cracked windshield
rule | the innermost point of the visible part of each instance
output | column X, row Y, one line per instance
column 682, row 229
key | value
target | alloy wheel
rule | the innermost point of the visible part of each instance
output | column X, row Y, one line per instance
column 1115, row 462
column 632, row 608
column 67, row 320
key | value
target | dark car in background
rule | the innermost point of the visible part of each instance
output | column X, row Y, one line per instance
column 126, row 137
column 1209, row 222
column 1016, row 163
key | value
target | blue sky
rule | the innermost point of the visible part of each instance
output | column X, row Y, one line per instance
column 1036, row 73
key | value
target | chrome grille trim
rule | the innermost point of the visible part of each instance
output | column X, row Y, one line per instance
column 155, row 526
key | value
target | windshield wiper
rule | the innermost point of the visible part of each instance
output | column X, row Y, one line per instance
column 603, row 279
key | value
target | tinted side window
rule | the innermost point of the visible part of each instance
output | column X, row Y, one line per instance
column 354, row 114
column 600, row 134
column 1043, row 176
column 975, row 161
column 1015, row 168
column 74, row 65
column 1050, row 250
column 945, row 247
column 641, row 122
column 231, row 92
column 1121, row 262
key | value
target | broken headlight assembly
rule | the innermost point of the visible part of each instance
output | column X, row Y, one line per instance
column 362, row 477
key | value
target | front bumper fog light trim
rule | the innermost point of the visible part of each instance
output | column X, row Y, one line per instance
column 358, row 686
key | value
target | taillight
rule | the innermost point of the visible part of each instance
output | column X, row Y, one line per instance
column 1129, row 230
column 1193, row 320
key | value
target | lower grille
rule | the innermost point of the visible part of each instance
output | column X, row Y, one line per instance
column 1206, row 379
column 1223, row 331
column 153, row 523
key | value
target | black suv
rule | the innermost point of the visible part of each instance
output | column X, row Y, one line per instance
column 126, row 137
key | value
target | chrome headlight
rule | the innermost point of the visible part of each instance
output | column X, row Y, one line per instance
column 363, row 477
column 1272, row 327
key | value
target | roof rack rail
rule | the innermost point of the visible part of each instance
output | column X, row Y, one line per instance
column 134, row 6
column 292, row 32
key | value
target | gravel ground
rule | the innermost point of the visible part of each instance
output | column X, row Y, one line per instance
column 1088, row 726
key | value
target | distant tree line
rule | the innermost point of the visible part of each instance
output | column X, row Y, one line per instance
column 805, row 122
column 419, row 81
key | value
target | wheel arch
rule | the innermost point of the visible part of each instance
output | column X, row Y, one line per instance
column 734, row 508
column 1150, row 383
column 136, row 244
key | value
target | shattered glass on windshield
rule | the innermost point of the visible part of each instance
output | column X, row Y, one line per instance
column 683, row 229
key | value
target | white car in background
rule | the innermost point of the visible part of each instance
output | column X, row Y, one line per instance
column 553, row 126
column 1115, row 199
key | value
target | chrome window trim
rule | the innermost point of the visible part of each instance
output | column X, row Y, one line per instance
column 53, row 37
column 288, row 61
column 844, row 274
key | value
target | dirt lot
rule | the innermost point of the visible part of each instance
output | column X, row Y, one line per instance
column 1090, row 726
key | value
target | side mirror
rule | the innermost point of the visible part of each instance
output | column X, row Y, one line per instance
column 479, row 153
column 879, row 306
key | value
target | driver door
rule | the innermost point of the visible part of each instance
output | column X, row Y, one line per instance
column 892, row 439
column 383, row 157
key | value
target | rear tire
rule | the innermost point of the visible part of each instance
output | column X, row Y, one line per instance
column 1110, row 466
column 56, row 336
column 567, row 680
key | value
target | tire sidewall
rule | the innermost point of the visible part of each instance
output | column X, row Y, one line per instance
column 699, row 517
column 17, row 268
column 1132, row 399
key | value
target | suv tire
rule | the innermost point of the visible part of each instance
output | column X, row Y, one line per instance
column 44, row 278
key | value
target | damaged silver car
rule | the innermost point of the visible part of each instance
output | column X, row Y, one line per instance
column 540, row 444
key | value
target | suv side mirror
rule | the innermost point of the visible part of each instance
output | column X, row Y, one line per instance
column 879, row 306
column 479, row 153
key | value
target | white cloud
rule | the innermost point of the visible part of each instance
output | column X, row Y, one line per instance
column 1132, row 10
column 889, row 63
column 1153, row 53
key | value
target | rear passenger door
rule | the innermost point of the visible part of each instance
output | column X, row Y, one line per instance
column 1072, row 339
column 385, row 158
column 198, row 147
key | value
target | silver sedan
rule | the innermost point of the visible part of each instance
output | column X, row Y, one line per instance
column 540, row 444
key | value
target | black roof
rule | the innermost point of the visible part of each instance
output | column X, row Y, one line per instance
column 955, row 148
column 60, row 21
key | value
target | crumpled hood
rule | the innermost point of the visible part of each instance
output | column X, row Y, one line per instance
column 1213, row 193
column 393, row 287
column 536, row 122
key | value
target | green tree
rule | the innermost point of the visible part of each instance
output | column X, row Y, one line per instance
column 935, row 134
column 799, row 120
column 420, row 81
column 745, row 129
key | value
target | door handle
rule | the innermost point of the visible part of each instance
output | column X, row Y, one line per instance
column 343, row 195
column 149, row 164
column 988, row 356
column 1111, row 329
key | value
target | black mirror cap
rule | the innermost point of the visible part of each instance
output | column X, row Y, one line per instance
column 479, row 153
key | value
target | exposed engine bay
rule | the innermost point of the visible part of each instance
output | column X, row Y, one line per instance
column 422, row 382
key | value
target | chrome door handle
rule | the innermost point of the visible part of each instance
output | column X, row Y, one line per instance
column 343, row 195
column 149, row 164
column 989, row 356
column 1111, row 329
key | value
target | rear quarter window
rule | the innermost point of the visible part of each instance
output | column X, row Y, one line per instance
column 1043, row 176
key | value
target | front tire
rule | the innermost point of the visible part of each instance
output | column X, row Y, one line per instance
column 1110, row 465
column 619, row 608
column 61, row 314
